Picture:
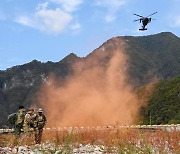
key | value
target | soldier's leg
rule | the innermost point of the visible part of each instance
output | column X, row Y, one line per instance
column 36, row 136
column 40, row 135
column 17, row 130
column 27, row 137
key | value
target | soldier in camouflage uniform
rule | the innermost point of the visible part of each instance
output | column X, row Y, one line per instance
column 40, row 122
column 28, row 121
column 28, row 125
column 19, row 120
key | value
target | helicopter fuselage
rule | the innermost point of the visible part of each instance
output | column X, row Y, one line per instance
column 145, row 21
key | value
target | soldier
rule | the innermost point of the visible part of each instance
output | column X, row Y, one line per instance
column 40, row 123
column 28, row 125
column 17, row 120
column 28, row 120
column 20, row 120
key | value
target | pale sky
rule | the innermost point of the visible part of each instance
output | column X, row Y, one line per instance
column 48, row 30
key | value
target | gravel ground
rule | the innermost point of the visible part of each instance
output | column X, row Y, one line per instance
column 50, row 148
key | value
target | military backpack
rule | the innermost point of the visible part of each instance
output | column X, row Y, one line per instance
column 12, row 118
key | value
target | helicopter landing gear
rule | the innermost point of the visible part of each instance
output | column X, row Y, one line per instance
column 142, row 29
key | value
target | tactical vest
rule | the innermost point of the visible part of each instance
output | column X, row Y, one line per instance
column 41, row 121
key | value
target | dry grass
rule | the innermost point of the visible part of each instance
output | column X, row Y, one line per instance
column 133, row 139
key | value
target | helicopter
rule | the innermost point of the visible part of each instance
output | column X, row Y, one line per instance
column 144, row 20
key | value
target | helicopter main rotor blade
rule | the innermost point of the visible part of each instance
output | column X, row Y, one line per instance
column 138, row 15
column 151, row 14
column 136, row 20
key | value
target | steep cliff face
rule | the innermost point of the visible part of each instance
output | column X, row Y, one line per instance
column 149, row 58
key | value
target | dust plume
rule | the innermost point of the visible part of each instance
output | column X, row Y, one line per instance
column 94, row 95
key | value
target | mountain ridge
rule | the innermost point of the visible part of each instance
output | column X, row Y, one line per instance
column 149, row 56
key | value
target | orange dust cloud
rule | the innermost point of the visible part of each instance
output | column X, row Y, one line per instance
column 92, row 96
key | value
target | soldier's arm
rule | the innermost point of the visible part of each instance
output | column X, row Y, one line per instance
column 45, row 120
column 27, row 118
column 34, row 116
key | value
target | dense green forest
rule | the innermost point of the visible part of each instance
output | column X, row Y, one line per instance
column 163, row 102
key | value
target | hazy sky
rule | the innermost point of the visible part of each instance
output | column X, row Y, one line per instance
column 48, row 30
